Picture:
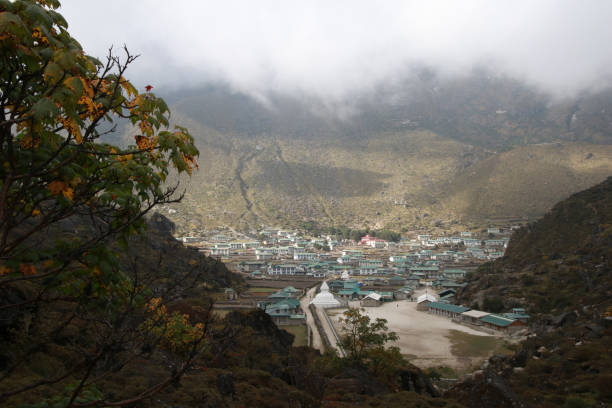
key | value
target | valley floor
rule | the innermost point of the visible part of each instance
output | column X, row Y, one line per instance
column 429, row 340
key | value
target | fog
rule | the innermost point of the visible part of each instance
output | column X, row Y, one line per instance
column 334, row 49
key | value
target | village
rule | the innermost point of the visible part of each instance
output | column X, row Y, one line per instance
column 305, row 283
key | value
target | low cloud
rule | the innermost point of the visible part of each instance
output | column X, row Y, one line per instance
column 332, row 50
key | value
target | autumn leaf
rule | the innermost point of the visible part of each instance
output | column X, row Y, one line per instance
column 57, row 187
column 142, row 142
column 128, row 87
column 27, row 269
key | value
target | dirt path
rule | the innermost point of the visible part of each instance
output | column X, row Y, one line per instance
column 328, row 330
column 316, row 337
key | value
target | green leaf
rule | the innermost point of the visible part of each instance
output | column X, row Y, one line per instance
column 9, row 21
column 53, row 72
column 75, row 85
column 58, row 19
column 38, row 14
column 44, row 108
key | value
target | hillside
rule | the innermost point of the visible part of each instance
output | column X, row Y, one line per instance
column 411, row 154
column 559, row 269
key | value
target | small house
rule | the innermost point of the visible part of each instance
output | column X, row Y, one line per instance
column 446, row 310
column 502, row 324
column 424, row 300
column 371, row 300
column 473, row 317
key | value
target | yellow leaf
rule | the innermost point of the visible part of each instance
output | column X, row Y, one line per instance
column 68, row 193
column 75, row 85
column 128, row 87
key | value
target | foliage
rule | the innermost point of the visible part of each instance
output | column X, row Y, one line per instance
column 70, row 204
column 363, row 340
column 493, row 304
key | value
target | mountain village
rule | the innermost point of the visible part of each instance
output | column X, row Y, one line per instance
column 304, row 283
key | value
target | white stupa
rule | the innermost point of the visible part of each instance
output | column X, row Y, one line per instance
column 345, row 275
column 324, row 298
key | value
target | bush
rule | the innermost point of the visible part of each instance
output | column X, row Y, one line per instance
column 493, row 304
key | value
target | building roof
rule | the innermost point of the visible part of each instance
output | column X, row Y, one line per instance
column 348, row 291
column 477, row 314
column 448, row 308
column 289, row 302
column 281, row 294
column 516, row 316
column 374, row 296
column 497, row 320
column 426, row 297
column 405, row 289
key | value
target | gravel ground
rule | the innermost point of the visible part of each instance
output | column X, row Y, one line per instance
column 422, row 336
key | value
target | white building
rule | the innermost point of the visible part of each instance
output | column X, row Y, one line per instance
column 220, row 250
column 325, row 298
column 304, row 256
column 285, row 269
column 263, row 254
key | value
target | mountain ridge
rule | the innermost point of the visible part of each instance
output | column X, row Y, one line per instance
column 458, row 152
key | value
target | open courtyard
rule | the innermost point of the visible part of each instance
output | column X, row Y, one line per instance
column 430, row 340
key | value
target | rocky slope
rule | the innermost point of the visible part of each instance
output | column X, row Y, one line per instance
column 559, row 269
column 414, row 153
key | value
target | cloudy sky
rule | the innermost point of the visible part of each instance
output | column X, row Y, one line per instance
column 332, row 48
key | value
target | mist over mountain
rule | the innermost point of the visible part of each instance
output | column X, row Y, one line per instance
column 425, row 150
column 482, row 109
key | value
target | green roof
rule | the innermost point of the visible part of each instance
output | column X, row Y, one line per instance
column 425, row 268
column 447, row 307
column 280, row 295
column 291, row 302
column 454, row 271
column 516, row 316
column 497, row 320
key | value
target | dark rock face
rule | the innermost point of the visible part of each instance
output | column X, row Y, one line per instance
column 357, row 382
column 558, row 268
column 162, row 223
column 486, row 390
column 414, row 380
column 261, row 324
